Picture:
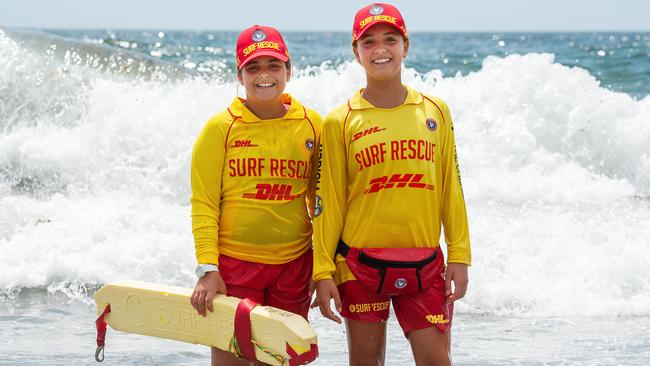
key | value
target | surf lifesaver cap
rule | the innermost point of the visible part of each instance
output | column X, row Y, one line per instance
column 260, row 40
column 374, row 14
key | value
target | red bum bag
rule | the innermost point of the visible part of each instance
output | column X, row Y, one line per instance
column 393, row 271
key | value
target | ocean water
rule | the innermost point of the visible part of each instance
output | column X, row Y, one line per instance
column 553, row 134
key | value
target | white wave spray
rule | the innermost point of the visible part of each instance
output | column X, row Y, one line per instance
column 94, row 180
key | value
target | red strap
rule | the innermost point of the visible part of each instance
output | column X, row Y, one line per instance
column 304, row 358
column 101, row 334
column 101, row 326
column 243, row 329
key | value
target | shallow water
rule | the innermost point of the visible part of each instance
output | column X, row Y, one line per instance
column 555, row 155
column 42, row 329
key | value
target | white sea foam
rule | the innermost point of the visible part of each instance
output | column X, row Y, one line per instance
column 94, row 180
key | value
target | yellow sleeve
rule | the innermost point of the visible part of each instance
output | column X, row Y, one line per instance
column 454, row 214
column 206, row 172
column 317, row 122
column 331, row 195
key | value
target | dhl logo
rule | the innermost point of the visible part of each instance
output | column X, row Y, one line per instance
column 272, row 192
column 243, row 143
column 437, row 319
column 367, row 132
column 397, row 181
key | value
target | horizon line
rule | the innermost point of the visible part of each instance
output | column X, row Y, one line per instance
column 320, row 30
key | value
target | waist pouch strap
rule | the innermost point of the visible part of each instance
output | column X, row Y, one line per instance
column 342, row 249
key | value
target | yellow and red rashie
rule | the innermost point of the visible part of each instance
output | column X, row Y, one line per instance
column 252, row 181
column 389, row 179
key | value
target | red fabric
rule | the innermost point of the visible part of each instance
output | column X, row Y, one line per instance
column 422, row 310
column 284, row 286
column 377, row 13
column 260, row 40
column 101, row 326
column 391, row 271
column 243, row 332
column 303, row 358
column 362, row 305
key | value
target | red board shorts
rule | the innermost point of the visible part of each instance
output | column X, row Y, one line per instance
column 417, row 311
column 284, row 286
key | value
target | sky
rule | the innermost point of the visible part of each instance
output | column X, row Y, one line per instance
column 334, row 15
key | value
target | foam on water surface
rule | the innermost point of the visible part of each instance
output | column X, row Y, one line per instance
column 94, row 177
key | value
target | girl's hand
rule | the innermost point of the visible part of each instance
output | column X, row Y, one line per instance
column 325, row 291
column 207, row 287
column 456, row 273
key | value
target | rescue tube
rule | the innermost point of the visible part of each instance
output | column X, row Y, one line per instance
column 263, row 333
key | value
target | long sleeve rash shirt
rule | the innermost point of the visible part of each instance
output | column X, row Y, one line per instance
column 253, row 182
column 388, row 178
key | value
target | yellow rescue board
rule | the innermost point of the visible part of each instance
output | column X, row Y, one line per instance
column 165, row 311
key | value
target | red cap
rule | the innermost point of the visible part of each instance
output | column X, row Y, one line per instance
column 260, row 40
column 374, row 14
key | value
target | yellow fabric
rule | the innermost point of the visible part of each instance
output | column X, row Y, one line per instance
column 252, row 182
column 362, row 149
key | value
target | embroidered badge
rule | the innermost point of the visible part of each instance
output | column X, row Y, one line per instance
column 376, row 9
column 258, row 36
column 309, row 144
column 318, row 209
column 431, row 124
column 400, row 283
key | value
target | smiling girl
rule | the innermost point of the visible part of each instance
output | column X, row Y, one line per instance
column 389, row 182
column 253, row 186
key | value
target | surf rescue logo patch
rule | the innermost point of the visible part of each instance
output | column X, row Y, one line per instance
column 309, row 144
column 258, row 36
column 400, row 283
column 432, row 125
column 318, row 206
column 376, row 10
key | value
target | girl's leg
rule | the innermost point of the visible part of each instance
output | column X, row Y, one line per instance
column 223, row 358
column 430, row 346
column 243, row 280
column 426, row 320
column 366, row 342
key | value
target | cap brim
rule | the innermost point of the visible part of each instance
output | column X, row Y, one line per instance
column 275, row 54
column 365, row 29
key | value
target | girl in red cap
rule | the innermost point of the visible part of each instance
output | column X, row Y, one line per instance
column 253, row 183
column 389, row 182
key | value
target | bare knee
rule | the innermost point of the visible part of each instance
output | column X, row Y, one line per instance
column 430, row 347
column 223, row 358
column 366, row 353
column 366, row 343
